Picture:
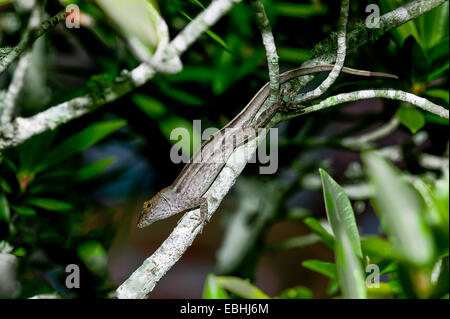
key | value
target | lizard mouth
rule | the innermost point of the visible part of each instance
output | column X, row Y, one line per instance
column 142, row 222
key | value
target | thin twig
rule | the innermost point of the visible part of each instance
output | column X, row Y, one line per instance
column 271, row 49
column 29, row 39
column 201, row 23
column 360, row 36
column 18, row 78
column 370, row 94
column 340, row 57
column 24, row 128
column 364, row 140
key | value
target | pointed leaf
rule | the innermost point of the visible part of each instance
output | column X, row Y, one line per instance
column 94, row 169
column 412, row 118
column 212, row 289
column 5, row 213
column 324, row 268
column 79, row 142
column 318, row 229
column 241, row 287
column 50, row 204
column 400, row 209
column 340, row 212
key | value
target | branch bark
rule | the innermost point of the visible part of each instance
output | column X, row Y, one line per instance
column 340, row 58
column 29, row 39
column 271, row 49
column 168, row 56
column 370, row 94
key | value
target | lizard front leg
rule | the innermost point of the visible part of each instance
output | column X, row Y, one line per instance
column 202, row 203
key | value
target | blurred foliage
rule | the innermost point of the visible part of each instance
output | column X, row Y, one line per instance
column 43, row 205
column 415, row 227
column 48, row 185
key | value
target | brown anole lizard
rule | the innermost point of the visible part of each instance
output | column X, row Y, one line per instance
column 187, row 190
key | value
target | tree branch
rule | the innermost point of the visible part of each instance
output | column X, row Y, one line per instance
column 364, row 140
column 340, row 57
column 370, row 94
column 271, row 49
column 168, row 55
column 144, row 279
column 201, row 23
column 363, row 34
column 18, row 79
column 29, row 39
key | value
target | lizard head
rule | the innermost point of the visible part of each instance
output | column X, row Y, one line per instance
column 157, row 208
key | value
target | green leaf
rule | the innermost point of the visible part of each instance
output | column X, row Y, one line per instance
column 318, row 229
column 197, row 3
column 438, row 72
column 32, row 151
column 79, row 142
column 438, row 93
column 374, row 246
column 150, row 106
column 433, row 118
column 167, row 127
column 347, row 243
column 179, row 95
column 349, row 269
column 212, row 289
column 20, row 252
column 333, row 287
column 24, row 210
column 295, row 242
column 94, row 256
column 402, row 32
column 325, row 268
column 5, row 213
column 193, row 74
column 298, row 292
column 440, row 51
column 340, row 212
column 296, row 10
column 241, row 287
column 384, row 291
column 50, row 204
column 95, row 169
column 294, row 55
column 400, row 209
column 435, row 25
column 412, row 118
column 211, row 34
column 4, row 186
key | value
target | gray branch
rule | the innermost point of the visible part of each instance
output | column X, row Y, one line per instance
column 340, row 57
column 29, row 39
column 18, row 79
column 166, row 59
column 370, row 94
column 271, row 49
column 363, row 141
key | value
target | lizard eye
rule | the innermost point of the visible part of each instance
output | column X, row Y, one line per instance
column 149, row 205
